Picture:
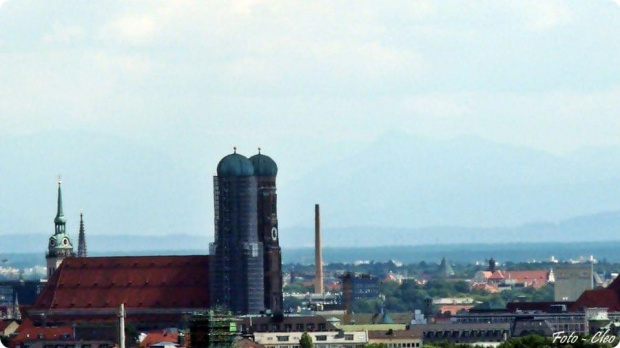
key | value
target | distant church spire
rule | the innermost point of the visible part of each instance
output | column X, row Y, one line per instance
column 60, row 219
column 82, row 238
column 59, row 245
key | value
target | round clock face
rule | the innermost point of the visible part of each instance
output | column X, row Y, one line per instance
column 52, row 242
column 274, row 233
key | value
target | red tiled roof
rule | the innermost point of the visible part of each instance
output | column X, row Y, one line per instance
column 32, row 333
column 492, row 288
column 604, row 298
column 334, row 286
column 138, row 281
column 496, row 275
column 454, row 309
column 536, row 279
column 26, row 323
column 615, row 285
column 158, row 337
column 486, row 274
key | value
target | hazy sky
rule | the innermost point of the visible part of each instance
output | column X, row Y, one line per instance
column 204, row 75
column 148, row 95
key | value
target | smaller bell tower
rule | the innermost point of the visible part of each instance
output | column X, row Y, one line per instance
column 59, row 245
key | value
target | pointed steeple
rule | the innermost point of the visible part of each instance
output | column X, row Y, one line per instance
column 16, row 312
column 82, row 238
column 445, row 269
column 60, row 219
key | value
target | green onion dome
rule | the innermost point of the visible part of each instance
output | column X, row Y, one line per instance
column 235, row 165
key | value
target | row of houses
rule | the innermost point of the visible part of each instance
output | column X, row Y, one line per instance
column 27, row 335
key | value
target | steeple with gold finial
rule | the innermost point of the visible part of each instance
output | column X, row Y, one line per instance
column 60, row 220
column 59, row 245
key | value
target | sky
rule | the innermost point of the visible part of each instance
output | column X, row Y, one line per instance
column 310, row 81
column 213, row 74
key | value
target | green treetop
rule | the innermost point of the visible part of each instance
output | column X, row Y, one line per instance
column 306, row 341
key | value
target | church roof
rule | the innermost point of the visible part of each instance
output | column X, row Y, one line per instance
column 235, row 165
column 445, row 269
column 60, row 216
column 385, row 319
column 140, row 282
column 28, row 332
column 605, row 298
column 264, row 165
column 534, row 278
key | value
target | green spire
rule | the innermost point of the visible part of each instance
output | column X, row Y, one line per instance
column 60, row 219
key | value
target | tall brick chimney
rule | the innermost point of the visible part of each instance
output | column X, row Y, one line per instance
column 318, row 255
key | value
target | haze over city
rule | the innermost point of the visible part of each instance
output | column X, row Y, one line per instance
column 396, row 118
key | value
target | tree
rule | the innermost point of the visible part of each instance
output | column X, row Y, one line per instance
column 376, row 345
column 306, row 341
column 131, row 335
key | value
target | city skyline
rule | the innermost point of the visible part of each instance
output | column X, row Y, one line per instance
column 266, row 174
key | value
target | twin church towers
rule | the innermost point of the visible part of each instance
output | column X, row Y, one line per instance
column 246, row 264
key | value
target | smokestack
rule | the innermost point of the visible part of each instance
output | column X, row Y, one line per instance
column 318, row 255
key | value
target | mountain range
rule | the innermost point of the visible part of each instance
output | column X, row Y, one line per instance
column 399, row 189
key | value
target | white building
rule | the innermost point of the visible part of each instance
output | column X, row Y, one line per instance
column 324, row 339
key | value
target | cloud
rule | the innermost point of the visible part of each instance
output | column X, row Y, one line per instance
column 63, row 34
column 545, row 15
column 136, row 29
column 123, row 63
column 295, row 67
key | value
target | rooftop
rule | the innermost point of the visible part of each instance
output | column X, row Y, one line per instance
column 140, row 282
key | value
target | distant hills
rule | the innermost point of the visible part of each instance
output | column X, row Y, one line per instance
column 406, row 181
column 465, row 189
column 399, row 189
column 110, row 244
column 602, row 227
column 456, row 253
column 598, row 227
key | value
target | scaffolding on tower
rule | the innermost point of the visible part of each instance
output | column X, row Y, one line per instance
column 213, row 329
